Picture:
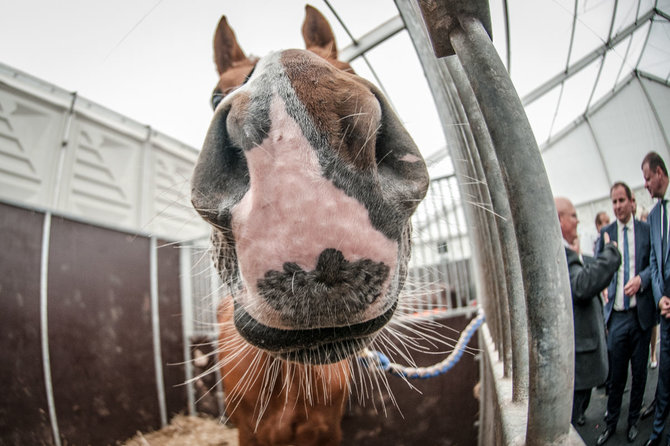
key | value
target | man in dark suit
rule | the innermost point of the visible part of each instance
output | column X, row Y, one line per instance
column 586, row 283
column 629, row 312
column 656, row 182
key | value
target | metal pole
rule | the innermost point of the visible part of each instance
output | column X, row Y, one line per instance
column 460, row 232
column 478, row 236
column 441, row 269
column 419, row 303
column 214, row 298
column 541, row 252
column 56, row 186
column 431, row 269
column 499, row 282
column 509, row 248
column 155, row 325
column 44, row 273
column 497, row 295
column 452, row 230
column 482, row 207
column 435, row 73
column 485, row 247
column 44, row 327
column 186, row 284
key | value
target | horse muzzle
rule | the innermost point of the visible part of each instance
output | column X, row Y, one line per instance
column 324, row 345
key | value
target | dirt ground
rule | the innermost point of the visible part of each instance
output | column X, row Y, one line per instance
column 188, row 431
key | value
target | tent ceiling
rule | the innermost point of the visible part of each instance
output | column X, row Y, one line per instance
column 563, row 55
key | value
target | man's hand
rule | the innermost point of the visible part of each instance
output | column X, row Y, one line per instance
column 605, row 294
column 606, row 238
column 633, row 286
column 664, row 306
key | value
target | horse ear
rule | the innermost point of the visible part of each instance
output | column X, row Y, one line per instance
column 226, row 49
column 317, row 34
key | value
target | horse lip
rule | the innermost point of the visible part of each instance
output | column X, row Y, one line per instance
column 315, row 345
column 329, row 353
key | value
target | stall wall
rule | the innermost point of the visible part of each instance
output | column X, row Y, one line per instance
column 24, row 415
column 438, row 411
column 101, row 354
column 62, row 152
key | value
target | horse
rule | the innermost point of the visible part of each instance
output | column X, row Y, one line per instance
column 309, row 180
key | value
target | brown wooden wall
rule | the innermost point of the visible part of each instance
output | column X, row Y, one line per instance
column 24, row 415
column 443, row 411
column 101, row 348
column 99, row 330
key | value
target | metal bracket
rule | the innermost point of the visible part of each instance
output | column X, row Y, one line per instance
column 441, row 16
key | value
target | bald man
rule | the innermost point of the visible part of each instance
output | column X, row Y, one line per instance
column 586, row 283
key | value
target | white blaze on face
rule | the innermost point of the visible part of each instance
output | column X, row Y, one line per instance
column 291, row 214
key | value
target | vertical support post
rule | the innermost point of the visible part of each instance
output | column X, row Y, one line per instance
column 185, row 275
column 505, row 225
column 65, row 142
column 441, row 269
column 499, row 281
column 432, row 270
column 217, row 287
column 44, row 327
column 155, row 325
column 457, row 235
column 435, row 73
column 495, row 278
column 480, row 234
column 541, row 252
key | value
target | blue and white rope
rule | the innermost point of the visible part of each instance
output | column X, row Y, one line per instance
column 380, row 361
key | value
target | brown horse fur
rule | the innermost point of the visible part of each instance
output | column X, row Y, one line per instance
column 275, row 402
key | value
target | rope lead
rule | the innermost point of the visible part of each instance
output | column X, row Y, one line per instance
column 378, row 360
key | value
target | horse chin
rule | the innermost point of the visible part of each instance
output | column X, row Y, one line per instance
column 323, row 345
column 328, row 353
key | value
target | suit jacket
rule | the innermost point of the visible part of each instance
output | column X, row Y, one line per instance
column 586, row 282
column 646, row 308
column 658, row 261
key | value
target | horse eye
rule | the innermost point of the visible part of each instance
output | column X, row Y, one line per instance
column 217, row 97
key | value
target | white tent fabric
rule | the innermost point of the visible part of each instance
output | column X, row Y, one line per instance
column 578, row 66
column 610, row 143
column 594, row 77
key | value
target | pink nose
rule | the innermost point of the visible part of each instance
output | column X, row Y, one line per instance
column 291, row 214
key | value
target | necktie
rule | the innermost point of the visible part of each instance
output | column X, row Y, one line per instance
column 626, row 266
column 664, row 230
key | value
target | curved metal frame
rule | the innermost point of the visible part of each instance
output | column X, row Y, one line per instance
column 538, row 236
column 499, row 146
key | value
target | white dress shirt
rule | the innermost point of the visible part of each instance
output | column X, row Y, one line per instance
column 618, row 299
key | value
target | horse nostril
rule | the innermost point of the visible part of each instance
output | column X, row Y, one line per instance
column 291, row 267
column 329, row 266
column 334, row 293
